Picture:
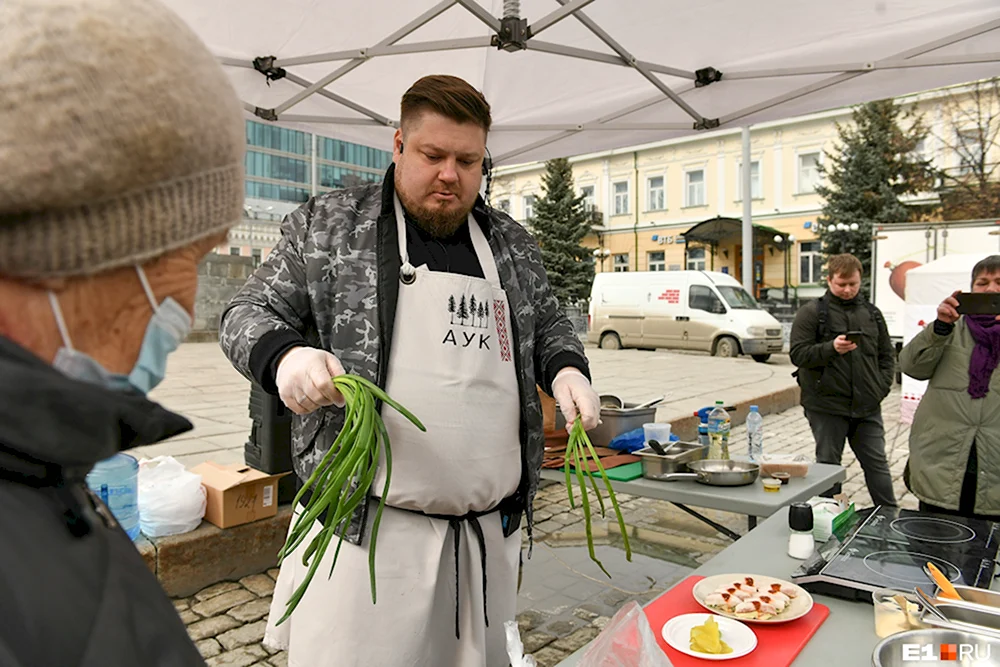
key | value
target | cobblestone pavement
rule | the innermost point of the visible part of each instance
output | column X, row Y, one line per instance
column 564, row 600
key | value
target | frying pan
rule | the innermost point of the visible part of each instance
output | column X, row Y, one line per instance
column 718, row 473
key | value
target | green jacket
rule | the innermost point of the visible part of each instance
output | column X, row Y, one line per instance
column 852, row 384
column 948, row 421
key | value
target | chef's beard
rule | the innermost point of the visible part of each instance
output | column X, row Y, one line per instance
column 439, row 223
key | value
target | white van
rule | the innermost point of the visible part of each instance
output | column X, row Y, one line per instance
column 688, row 310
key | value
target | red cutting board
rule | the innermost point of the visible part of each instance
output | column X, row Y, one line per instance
column 777, row 645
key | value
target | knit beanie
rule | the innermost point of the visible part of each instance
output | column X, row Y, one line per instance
column 121, row 138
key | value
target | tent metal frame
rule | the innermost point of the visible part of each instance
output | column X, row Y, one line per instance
column 511, row 33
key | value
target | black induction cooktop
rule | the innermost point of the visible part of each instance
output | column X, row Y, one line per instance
column 890, row 548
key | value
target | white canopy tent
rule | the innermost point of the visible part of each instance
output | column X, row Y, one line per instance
column 566, row 77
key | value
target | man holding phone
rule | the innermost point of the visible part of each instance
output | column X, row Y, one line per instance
column 846, row 364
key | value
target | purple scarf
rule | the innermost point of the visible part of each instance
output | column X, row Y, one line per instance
column 985, row 330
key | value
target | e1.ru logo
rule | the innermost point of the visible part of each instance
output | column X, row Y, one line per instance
column 945, row 652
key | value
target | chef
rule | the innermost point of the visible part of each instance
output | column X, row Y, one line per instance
column 419, row 286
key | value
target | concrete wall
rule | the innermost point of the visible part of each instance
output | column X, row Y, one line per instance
column 219, row 278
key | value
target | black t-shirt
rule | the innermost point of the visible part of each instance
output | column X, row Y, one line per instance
column 454, row 254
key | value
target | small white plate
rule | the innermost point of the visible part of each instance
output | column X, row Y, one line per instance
column 799, row 607
column 677, row 633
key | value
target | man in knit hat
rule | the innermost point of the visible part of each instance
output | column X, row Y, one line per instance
column 121, row 149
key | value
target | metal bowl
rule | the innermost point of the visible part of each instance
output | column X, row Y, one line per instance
column 974, row 650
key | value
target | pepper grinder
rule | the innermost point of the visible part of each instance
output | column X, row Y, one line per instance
column 800, row 521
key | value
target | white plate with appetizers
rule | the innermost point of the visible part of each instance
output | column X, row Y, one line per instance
column 753, row 598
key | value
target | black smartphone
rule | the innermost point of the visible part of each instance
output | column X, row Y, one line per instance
column 854, row 337
column 978, row 303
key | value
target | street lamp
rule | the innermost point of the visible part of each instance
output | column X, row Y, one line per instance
column 603, row 254
column 784, row 243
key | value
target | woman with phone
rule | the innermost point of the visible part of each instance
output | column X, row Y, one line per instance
column 954, row 465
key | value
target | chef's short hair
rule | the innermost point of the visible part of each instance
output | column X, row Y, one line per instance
column 449, row 96
column 990, row 265
column 843, row 265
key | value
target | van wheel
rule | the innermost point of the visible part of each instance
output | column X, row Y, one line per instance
column 761, row 358
column 726, row 347
column 611, row 341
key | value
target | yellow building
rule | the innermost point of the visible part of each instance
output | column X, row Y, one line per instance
column 646, row 198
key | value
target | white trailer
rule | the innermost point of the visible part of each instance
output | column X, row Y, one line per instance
column 899, row 248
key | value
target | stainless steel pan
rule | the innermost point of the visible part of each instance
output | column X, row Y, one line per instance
column 718, row 473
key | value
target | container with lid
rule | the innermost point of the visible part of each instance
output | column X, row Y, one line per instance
column 800, row 521
column 115, row 480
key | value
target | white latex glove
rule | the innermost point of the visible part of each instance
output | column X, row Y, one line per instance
column 573, row 393
column 303, row 379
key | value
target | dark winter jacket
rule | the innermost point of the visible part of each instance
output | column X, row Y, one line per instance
column 852, row 384
column 332, row 282
column 74, row 591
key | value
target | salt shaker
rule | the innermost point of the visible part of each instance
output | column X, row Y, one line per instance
column 800, row 521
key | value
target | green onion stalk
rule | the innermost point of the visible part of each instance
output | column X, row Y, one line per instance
column 578, row 451
column 342, row 480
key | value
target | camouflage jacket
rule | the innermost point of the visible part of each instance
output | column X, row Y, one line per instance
column 333, row 279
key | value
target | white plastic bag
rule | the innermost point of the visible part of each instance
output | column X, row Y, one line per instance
column 627, row 641
column 171, row 499
column 515, row 649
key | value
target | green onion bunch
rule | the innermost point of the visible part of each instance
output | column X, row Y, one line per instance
column 578, row 450
column 342, row 480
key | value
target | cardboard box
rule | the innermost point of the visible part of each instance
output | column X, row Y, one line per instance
column 237, row 494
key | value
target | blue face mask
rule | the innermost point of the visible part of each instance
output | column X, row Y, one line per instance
column 168, row 327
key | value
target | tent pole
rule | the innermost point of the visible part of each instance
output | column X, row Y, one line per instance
column 747, row 193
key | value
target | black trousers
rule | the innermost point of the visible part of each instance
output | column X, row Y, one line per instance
column 967, row 499
column 867, row 438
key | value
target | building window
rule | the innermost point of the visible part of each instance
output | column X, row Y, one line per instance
column 755, row 187
column 255, row 253
column 529, row 207
column 587, row 192
column 703, row 298
column 808, row 172
column 969, row 148
column 278, row 138
column 694, row 187
column 621, row 198
column 504, row 205
column 257, row 190
column 810, row 262
column 331, row 176
column 620, row 262
column 696, row 259
column 234, row 251
column 656, row 261
column 655, row 195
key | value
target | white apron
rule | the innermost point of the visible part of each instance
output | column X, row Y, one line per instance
column 452, row 366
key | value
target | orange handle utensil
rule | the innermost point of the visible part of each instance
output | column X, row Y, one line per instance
column 946, row 591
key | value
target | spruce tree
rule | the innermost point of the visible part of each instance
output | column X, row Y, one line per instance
column 873, row 166
column 560, row 225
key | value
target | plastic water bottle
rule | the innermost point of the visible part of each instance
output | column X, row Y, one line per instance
column 115, row 480
column 719, row 426
column 755, row 434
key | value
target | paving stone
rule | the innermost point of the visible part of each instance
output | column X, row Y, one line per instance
column 241, row 636
column 529, row 620
column 601, row 622
column 279, row 660
column 562, row 628
column 273, row 573
column 222, row 603
column 209, row 648
column 258, row 584
column 549, row 657
column 585, row 614
column 535, row 640
column 251, row 611
column 188, row 617
column 576, row 639
column 238, row 658
column 211, row 627
column 217, row 589
column 182, row 604
column 257, row 650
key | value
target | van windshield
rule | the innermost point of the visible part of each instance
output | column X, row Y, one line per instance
column 737, row 298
